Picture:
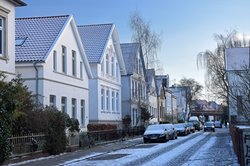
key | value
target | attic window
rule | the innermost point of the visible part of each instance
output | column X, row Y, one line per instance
column 20, row 40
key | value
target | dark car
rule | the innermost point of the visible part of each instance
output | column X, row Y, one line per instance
column 197, row 124
column 155, row 133
column 209, row 126
column 191, row 126
column 181, row 128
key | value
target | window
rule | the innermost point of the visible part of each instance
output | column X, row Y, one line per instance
column 73, row 108
column 102, row 99
column 64, row 59
column 117, row 101
column 83, row 112
column 54, row 60
column 112, row 67
column 73, row 63
column 113, row 101
column 52, row 100
column 19, row 41
column 133, row 88
column 107, row 100
column 117, row 71
column 107, row 64
column 81, row 70
column 2, row 35
column 102, row 68
column 64, row 104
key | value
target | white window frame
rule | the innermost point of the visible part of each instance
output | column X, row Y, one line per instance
column 54, row 60
column 64, row 59
column 64, row 104
column 113, row 101
column 74, row 72
column 107, row 64
column 3, row 37
column 102, row 99
column 81, row 70
column 74, row 108
column 107, row 100
column 117, row 101
column 83, row 112
column 52, row 100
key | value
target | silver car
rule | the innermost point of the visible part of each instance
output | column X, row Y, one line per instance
column 155, row 133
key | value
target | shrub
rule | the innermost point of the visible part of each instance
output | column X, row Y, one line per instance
column 56, row 140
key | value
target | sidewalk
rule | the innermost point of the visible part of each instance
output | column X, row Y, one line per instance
column 87, row 152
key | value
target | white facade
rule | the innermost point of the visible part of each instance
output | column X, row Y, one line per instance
column 105, row 88
column 236, row 61
column 63, row 84
column 134, row 86
column 7, row 38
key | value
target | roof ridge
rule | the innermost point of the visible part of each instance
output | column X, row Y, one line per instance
column 39, row 17
column 95, row 24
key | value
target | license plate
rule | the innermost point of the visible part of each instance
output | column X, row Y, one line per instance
column 153, row 137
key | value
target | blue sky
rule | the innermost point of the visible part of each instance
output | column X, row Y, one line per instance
column 186, row 27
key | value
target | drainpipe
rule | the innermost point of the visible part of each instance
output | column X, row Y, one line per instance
column 35, row 66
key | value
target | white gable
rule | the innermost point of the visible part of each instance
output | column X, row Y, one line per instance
column 237, row 58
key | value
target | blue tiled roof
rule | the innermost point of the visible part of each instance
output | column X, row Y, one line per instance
column 40, row 34
column 129, row 52
column 95, row 38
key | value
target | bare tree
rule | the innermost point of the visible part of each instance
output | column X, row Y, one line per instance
column 149, row 40
column 213, row 63
column 194, row 89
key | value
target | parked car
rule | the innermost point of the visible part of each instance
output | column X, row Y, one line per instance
column 181, row 128
column 197, row 124
column 171, row 130
column 155, row 133
column 209, row 126
column 218, row 124
column 191, row 126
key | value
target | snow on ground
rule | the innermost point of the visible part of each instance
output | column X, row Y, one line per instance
column 198, row 158
column 168, row 156
column 137, row 153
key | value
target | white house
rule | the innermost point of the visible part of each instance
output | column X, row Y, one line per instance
column 152, row 95
column 7, row 36
column 161, row 84
column 237, row 63
column 102, row 45
column 52, row 62
column 174, row 108
column 134, row 84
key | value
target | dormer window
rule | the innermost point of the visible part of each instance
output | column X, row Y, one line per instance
column 19, row 41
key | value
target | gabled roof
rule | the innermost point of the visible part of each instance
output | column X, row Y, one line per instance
column 95, row 38
column 39, row 33
column 129, row 52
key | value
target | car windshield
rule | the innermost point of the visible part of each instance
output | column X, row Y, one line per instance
column 154, row 127
column 190, row 124
column 209, row 124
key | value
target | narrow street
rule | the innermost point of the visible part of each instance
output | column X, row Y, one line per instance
column 200, row 148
